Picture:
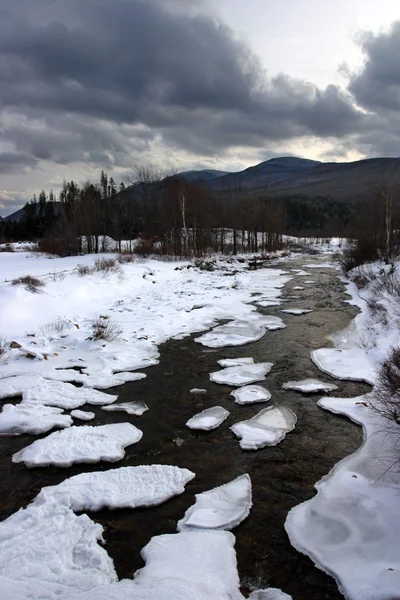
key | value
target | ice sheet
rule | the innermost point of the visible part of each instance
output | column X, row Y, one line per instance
column 309, row 386
column 242, row 374
column 132, row 408
column 82, row 415
column 85, row 444
column 236, row 362
column 347, row 363
column 223, row 507
column 267, row 428
column 296, row 311
column 64, row 395
column 250, row 394
column 208, row 419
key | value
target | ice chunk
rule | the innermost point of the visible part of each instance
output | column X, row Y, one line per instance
column 272, row 323
column 235, row 333
column 208, row 419
column 132, row 408
column 267, row 428
column 83, row 415
column 15, row 386
column 101, row 381
column 269, row 594
column 223, row 507
column 298, row 287
column 300, row 272
column 309, row 386
column 31, row 418
column 126, row 487
column 198, row 391
column 309, row 281
column 85, row 444
column 266, row 303
column 64, row 395
column 251, row 393
column 346, row 363
column 296, row 311
column 236, row 362
column 242, row 374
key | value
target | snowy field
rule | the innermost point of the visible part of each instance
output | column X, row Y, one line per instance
column 58, row 335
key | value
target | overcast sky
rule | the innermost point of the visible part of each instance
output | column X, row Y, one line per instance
column 87, row 85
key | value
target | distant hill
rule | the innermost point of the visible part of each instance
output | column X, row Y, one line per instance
column 204, row 175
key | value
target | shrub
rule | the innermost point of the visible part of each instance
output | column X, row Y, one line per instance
column 106, row 265
column 4, row 350
column 359, row 252
column 83, row 270
column 125, row 258
column 32, row 284
column 55, row 327
column 387, row 391
column 6, row 248
column 105, row 329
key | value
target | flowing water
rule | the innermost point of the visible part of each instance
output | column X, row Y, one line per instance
column 282, row 476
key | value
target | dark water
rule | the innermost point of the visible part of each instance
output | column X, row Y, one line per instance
column 282, row 476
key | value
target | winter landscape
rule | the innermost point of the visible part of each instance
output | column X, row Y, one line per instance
column 199, row 300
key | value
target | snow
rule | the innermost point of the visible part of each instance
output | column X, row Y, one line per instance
column 208, row 419
column 309, row 386
column 267, row 428
column 351, row 528
column 125, row 487
column 82, row 415
column 131, row 408
column 236, row 362
column 32, row 419
column 241, row 374
column 250, row 394
column 85, row 444
column 296, row 311
column 223, row 507
column 322, row 265
column 269, row 594
column 239, row 333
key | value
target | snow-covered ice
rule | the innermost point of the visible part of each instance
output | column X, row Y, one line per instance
column 296, row 311
column 32, row 419
column 85, row 444
column 239, row 333
column 345, row 363
column 236, row 362
column 242, row 374
column 351, row 528
column 309, row 386
column 300, row 272
column 198, row 391
column 298, row 287
column 64, row 395
column 125, row 487
column 82, row 415
column 208, row 419
column 249, row 394
column 309, row 281
column 269, row 594
column 132, row 408
column 267, row 428
column 322, row 265
column 223, row 507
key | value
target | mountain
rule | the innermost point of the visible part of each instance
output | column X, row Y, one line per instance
column 204, row 175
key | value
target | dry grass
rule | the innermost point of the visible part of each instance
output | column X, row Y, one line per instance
column 125, row 258
column 4, row 350
column 32, row 284
column 387, row 392
column 107, row 265
column 55, row 327
column 106, row 329
column 84, row 270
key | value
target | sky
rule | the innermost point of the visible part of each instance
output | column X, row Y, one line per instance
column 87, row 85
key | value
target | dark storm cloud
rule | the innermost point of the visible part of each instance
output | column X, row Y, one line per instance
column 377, row 86
column 13, row 162
column 96, row 81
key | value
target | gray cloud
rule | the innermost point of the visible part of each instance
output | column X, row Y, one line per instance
column 14, row 162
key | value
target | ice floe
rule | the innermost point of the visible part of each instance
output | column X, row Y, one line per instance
column 346, row 363
column 197, row 391
column 64, row 395
column 351, row 529
column 249, row 394
column 125, row 487
column 242, row 374
column 309, row 281
column 269, row 594
column 208, row 419
column 239, row 333
column 31, row 418
column 267, row 428
column 298, row 287
column 82, row 415
column 309, row 386
column 223, row 507
column 236, row 362
column 296, row 311
column 132, row 408
column 85, row 444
